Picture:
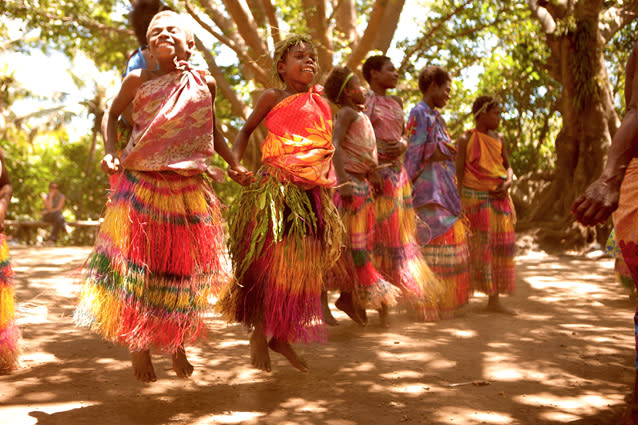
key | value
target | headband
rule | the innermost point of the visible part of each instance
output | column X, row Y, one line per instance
column 343, row 86
column 487, row 105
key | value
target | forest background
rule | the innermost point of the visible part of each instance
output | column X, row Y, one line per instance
column 557, row 66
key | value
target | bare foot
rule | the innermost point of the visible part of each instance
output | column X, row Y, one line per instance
column 259, row 356
column 495, row 306
column 325, row 310
column 284, row 348
column 142, row 366
column 345, row 303
column 363, row 315
column 383, row 316
column 181, row 366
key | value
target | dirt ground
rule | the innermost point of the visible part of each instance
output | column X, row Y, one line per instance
column 566, row 358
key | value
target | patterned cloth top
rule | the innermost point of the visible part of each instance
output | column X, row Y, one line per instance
column 434, row 182
column 387, row 119
column 360, row 146
column 299, row 139
column 484, row 169
column 626, row 218
column 173, row 124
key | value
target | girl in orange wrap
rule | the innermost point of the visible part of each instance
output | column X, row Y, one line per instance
column 284, row 228
column 485, row 176
column 157, row 254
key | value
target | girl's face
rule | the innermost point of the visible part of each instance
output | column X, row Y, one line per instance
column 387, row 77
column 354, row 91
column 167, row 40
column 299, row 65
column 492, row 117
column 441, row 93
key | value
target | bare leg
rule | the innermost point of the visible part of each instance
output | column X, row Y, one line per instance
column 345, row 303
column 259, row 356
column 181, row 366
column 325, row 310
column 284, row 348
column 383, row 316
column 142, row 366
column 494, row 306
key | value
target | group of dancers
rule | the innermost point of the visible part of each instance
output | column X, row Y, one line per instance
column 383, row 210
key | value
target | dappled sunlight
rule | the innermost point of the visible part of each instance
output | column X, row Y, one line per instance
column 230, row 418
column 583, row 405
column 458, row 415
column 22, row 414
column 461, row 333
column 479, row 368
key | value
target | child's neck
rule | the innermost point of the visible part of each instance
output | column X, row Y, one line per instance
column 296, row 88
column 350, row 104
column 483, row 128
column 166, row 66
column 427, row 99
column 378, row 89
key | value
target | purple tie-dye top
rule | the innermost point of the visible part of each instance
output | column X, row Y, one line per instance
column 433, row 182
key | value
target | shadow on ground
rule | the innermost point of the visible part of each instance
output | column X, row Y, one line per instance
column 566, row 358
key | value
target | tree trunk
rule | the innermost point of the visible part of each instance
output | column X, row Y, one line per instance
column 319, row 28
column 589, row 121
column 390, row 22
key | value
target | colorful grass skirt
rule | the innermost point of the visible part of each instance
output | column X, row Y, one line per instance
column 623, row 274
column 283, row 239
column 492, row 241
column 9, row 333
column 397, row 254
column 355, row 270
column 155, row 262
column 448, row 256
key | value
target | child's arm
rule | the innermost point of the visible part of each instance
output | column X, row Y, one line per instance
column 110, row 162
column 630, row 73
column 396, row 149
column 501, row 192
column 236, row 171
column 461, row 152
column 6, row 190
column 343, row 120
column 266, row 102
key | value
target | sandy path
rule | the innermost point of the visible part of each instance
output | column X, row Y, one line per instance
column 567, row 358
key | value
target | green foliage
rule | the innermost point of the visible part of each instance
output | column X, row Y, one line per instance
column 72, row 26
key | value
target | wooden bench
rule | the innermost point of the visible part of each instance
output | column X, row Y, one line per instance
column 26, row 230
column 40, row 223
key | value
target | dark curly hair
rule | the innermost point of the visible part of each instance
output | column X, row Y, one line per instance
column 334, row 82
column 432, row 74
column 141, row 15
column 483, row 104
column 373, row 63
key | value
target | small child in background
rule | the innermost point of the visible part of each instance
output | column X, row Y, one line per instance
column 285, row 230
column 397, row 253
column 356, row 163
column 9, row 333
column 484, row 176
column 157, row 254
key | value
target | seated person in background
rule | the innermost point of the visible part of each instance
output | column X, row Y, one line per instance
column 53, row 204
